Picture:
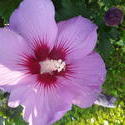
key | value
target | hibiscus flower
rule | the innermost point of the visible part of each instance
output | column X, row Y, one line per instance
column 48, row 66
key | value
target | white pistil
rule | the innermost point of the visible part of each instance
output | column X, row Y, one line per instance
column 48, row 66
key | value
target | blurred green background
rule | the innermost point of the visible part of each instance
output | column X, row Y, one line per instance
column 111, row 45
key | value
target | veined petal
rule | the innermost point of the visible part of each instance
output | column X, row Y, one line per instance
column 82, row 96
column 11, row 47
column 24, row 87
column 41, row 106
column 86, row 80
column 34, row 20
column 51, row 107
column 77, row 36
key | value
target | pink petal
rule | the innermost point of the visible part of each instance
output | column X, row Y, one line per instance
column 78, row 36
column 11, row 46
column 24, row 87
column 34, row 20
column 86, row 80
column 41, row 106
column 82, row 96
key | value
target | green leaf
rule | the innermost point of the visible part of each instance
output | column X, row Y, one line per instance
column 69, row 8
column 104, row 46
column 7, row 7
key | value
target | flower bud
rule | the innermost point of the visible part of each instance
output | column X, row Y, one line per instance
column 113, row 17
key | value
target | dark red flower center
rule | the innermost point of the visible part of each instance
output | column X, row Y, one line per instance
column 47, row 64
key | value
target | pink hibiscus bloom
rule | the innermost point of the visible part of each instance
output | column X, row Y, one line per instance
column 47, row 67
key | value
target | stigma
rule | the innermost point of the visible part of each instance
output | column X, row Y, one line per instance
column 48, row 66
